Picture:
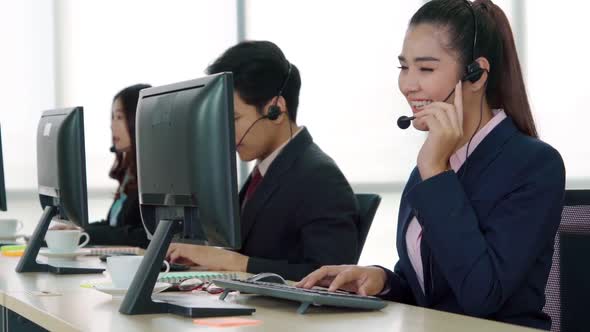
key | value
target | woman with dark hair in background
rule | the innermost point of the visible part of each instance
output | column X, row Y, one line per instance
column 479, row 213
column 123, row 224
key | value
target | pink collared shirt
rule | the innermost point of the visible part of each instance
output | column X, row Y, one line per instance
column 414, row 232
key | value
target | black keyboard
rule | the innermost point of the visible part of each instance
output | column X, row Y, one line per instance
column 307, row 297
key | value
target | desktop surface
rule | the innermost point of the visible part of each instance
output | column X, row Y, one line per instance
column 84, row 309
column 71, row 312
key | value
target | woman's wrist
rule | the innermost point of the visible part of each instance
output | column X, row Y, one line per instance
column 428, row 171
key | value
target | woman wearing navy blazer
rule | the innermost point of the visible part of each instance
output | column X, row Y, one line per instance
column 479, row 213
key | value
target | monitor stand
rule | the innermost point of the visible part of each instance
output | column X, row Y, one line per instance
column 138, row 300
column 28, row 261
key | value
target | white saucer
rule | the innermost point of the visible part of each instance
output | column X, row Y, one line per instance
column 108, row 288
column 11, row 237
column 64, row 255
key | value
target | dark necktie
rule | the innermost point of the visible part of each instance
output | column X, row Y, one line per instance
column 255, row 180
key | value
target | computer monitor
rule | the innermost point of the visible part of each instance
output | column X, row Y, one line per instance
column 186, row 160
column 2, row 186
column 61, row 164
column 187, row 179
column 61, row 177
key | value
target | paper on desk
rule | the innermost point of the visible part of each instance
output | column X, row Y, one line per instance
column 187, row 299
column 13, row 253
column 43, row 293
column 94, row 282
column 15, row 247
column 227, row 322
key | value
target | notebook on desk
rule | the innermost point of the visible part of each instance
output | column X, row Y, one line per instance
column 175, row 278
column 99, row 251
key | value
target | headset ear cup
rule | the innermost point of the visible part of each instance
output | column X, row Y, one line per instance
column 474, row 72
column 273, row 112
column 472, row 77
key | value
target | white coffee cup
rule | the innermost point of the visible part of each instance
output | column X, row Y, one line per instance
column 9, row 227
column 122, row 269
column 65, row 241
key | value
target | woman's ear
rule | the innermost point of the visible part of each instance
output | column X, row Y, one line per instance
column 484, row 64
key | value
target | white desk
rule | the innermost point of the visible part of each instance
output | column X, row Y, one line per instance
column 81, row 309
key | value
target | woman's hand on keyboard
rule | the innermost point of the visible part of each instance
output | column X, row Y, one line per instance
column 363, row 280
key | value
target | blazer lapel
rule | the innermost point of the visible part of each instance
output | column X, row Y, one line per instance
column 406, row 215
column 271, row 181
column 485, row 153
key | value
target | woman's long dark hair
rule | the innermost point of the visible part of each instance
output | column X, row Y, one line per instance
column 125, row 163
column 495, row 42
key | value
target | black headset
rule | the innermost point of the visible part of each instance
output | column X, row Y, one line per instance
column 473, row 74
column 473, row 71
column 274, row 111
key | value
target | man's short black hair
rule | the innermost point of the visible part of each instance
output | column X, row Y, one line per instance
column 260, row 69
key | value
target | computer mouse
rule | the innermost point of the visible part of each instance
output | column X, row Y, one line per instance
column 268, row 277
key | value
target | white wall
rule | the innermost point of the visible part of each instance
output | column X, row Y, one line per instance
column 26, row 83
column 558, row 72
column 101, row 47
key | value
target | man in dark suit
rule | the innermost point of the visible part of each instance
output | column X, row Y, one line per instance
column 298, row 211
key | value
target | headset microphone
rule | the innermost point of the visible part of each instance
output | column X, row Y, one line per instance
column 113, row 149
column 403, row 122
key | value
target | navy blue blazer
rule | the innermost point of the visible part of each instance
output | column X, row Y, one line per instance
column 488, row 232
